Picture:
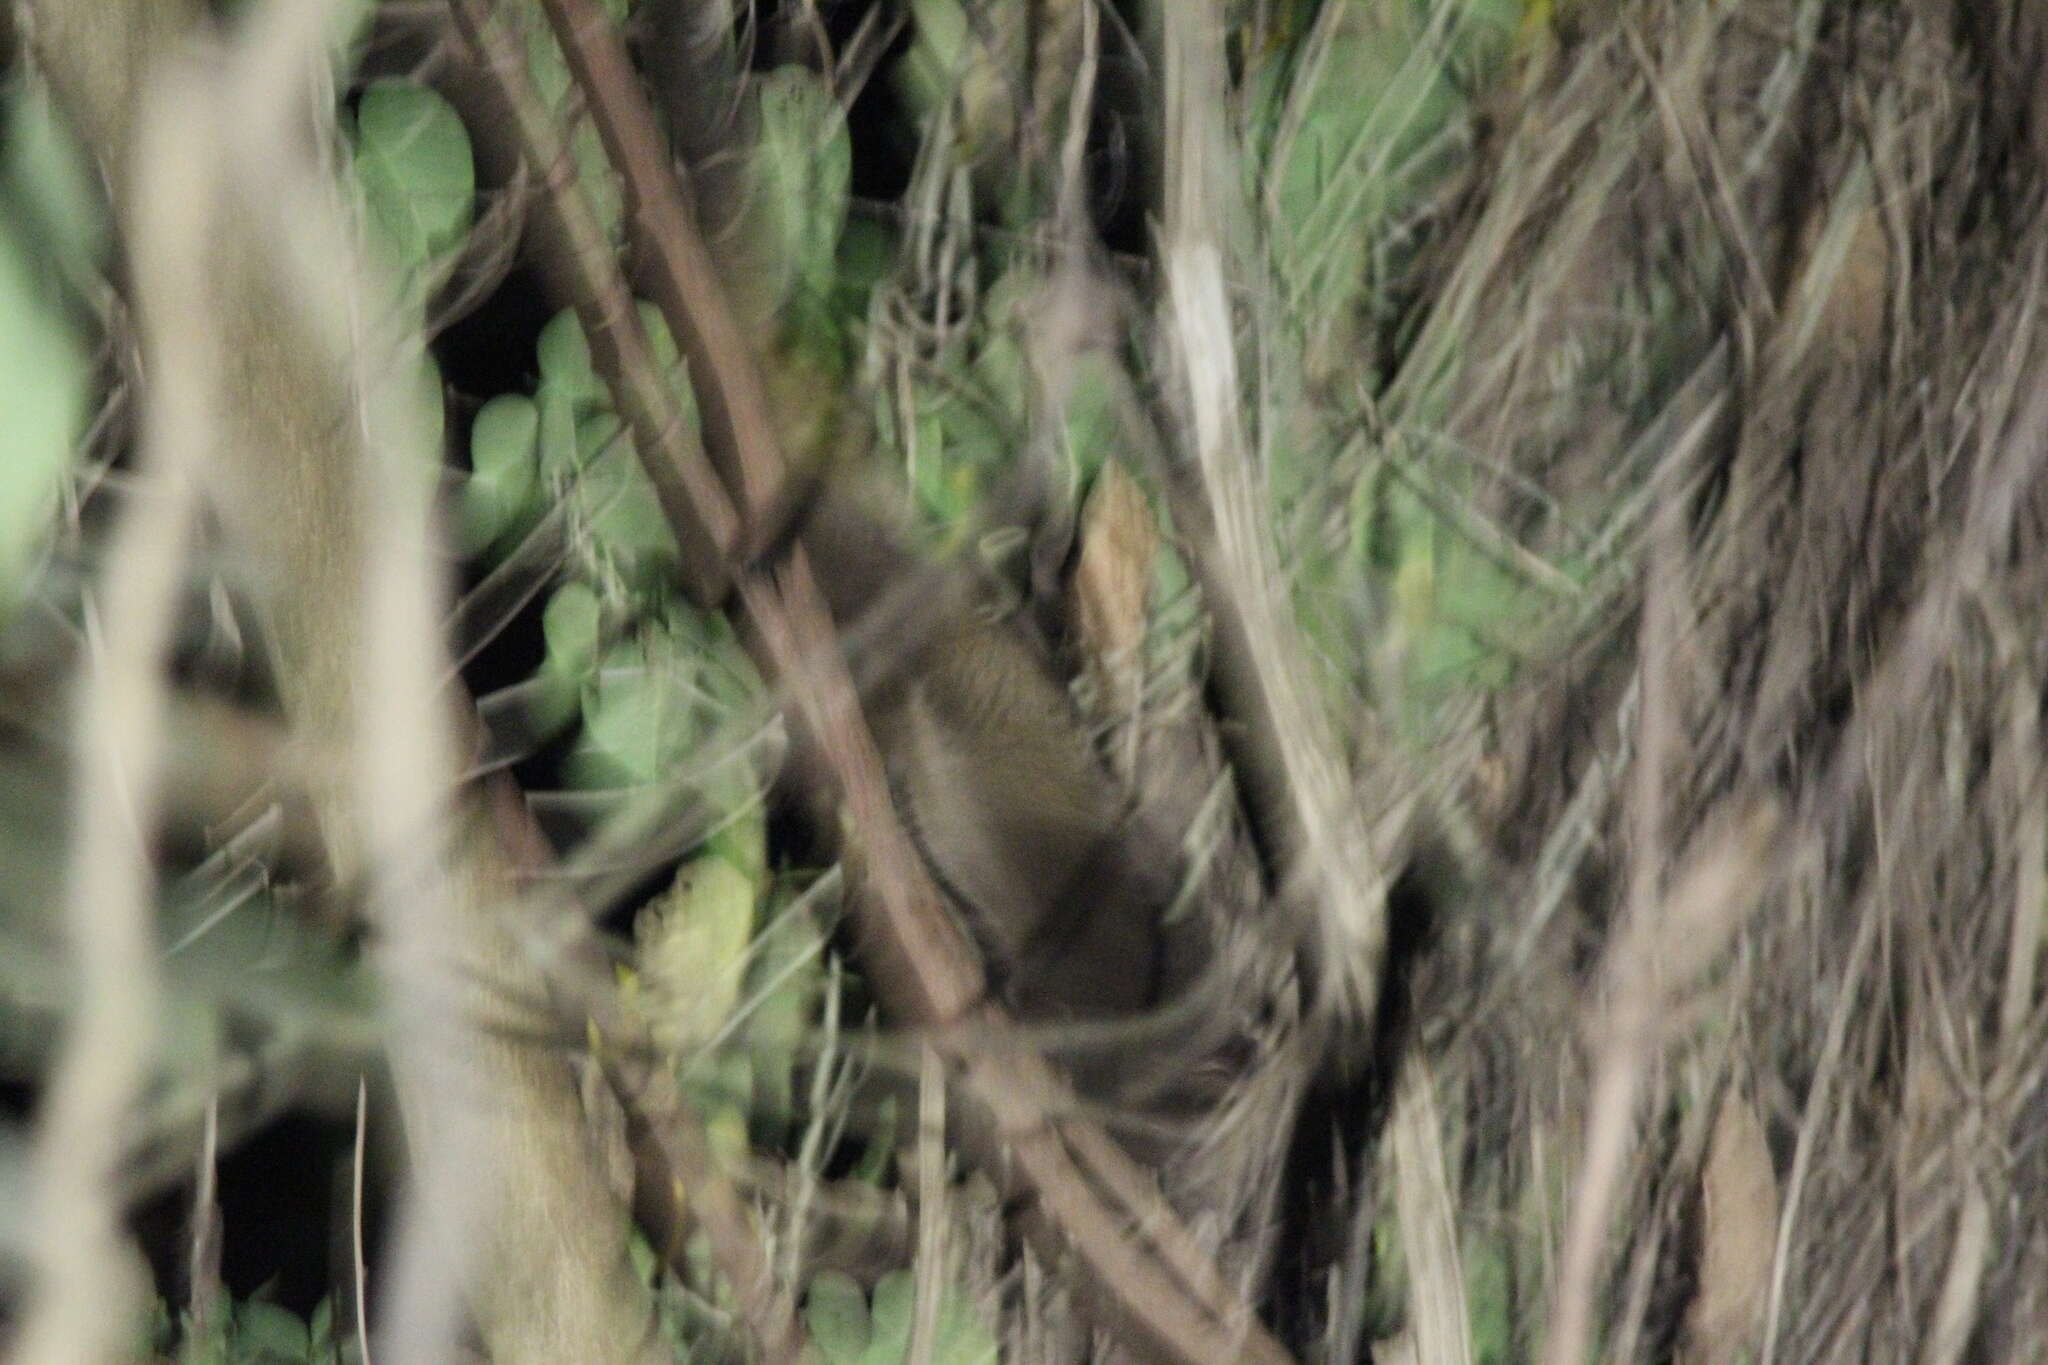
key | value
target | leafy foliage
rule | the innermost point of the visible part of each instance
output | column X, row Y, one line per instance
column 1509, row 281
column 852, row 1328
column 52, row 228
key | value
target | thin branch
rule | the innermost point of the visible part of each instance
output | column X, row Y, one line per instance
column 91, row 1282
column 929, row 1269
column 358, row 1264
column 707, row 527
column 1312, row 835
column 1438, row 1314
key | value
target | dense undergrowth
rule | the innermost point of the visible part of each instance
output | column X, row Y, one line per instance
column 1639, row 409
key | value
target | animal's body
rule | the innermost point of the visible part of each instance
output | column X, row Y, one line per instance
column 1062, row 884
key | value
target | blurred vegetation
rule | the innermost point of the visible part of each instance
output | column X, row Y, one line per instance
column 1353, row 117
column 1516, row 279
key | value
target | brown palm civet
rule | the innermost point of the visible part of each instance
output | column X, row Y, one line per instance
column 1062, row 885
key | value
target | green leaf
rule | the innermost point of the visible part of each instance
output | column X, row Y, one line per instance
column 692, row 953
column 1350, row 144
column 559, row 454
column 265, row 1332
column 942, row 27
column 414, row 164
column 572, row 625
column 963, row 1338
column 619, row 508
column 565, row 365
column 848, row 1331
column 867, row 253
column 640, row 720
column 551, row 81
column 979, row 66
column 655, row 705
column 45, row 375
column 49, row 175
column 803, row 176
column 320, row 1326
column 210, row 1348
column 960, row 1338
column 836, row 1311
column 1091, row 424
column 891, row 1307
column 503, row 490
column 725, row 1124
column 923, row 80
column 568, row 370
column 661, row 343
